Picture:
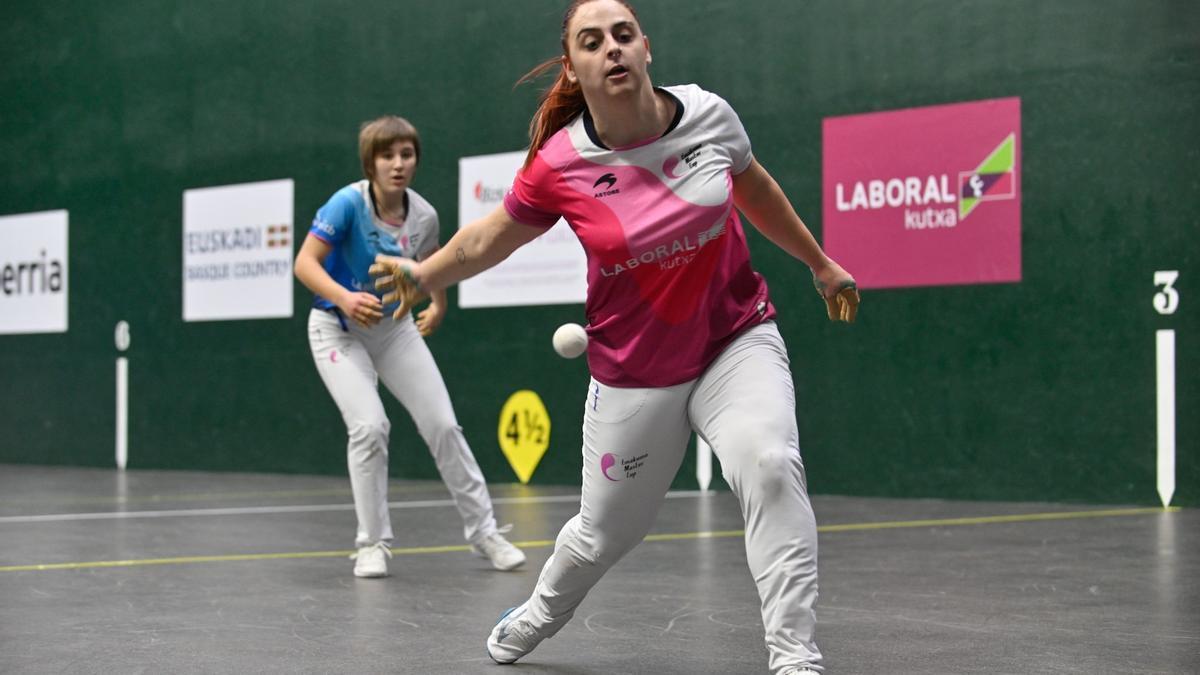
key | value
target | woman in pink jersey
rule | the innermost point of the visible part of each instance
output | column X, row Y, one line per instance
column 681, row 330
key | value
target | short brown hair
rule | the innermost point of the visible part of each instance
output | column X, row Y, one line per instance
column 379, row 135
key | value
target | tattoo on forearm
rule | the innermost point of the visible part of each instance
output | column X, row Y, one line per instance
column 461, row 256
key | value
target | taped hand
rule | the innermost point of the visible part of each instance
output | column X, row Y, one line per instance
column 840, row 292
column 397, row 277
column 843, row 306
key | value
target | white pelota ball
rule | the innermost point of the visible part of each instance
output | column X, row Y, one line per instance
column 570, row 340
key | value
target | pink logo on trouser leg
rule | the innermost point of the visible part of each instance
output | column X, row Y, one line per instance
column 607, row 460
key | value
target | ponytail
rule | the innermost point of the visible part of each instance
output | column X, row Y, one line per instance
column 559, row 105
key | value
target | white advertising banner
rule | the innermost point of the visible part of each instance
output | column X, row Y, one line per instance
column 237, row 251
column 33, row 273
column 550, row 270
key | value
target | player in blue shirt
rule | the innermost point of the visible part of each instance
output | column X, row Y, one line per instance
column 354, row 345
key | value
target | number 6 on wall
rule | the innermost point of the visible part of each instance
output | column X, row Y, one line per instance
column 1166, row 301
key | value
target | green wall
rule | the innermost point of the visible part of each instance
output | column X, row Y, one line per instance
column 1042, row 390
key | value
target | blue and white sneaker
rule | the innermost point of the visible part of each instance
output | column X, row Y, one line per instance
column 513, row 636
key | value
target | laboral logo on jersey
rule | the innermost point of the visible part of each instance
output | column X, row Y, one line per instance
column 677, row 253
column 925, row 196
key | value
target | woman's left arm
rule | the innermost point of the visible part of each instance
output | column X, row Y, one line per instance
column 756, row 194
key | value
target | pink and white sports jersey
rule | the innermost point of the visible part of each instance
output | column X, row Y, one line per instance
column 669, row 276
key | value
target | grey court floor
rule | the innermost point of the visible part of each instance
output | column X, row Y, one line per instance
column 174, row 572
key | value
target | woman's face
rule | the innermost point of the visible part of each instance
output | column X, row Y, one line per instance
column 394, row 168
column 607, row 53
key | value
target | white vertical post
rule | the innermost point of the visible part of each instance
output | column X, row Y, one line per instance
column 703, row 464
column 121, row 339
column 1165, row 353
column 122, row 412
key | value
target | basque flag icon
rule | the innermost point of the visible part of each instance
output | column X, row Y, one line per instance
column 991, row 180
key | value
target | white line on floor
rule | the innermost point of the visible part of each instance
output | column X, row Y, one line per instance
column 299, row 508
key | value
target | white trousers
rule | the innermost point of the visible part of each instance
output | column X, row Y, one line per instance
column 634, row 440
column 351, row 361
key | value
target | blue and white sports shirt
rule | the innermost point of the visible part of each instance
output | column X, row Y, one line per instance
column 348, row 223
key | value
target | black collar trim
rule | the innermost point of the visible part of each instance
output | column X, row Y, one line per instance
column 590, row 126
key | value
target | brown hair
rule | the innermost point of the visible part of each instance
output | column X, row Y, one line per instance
column 564, row 99
column 379, row 134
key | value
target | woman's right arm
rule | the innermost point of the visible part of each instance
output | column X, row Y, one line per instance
column 476, row 247
column 363, row 308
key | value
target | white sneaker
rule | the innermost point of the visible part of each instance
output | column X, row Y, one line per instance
column 799, row 670
column 513, row 636
column 495, row 547
column 371, row 561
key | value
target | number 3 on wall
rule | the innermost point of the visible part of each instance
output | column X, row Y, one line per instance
column 1166, row 301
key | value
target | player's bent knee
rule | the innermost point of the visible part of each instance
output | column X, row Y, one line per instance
column 595, row 548
column 771, row 467
column 443, row 434
column 777, row 461
column 368, row 438
column 607, row 550
column 604, row 555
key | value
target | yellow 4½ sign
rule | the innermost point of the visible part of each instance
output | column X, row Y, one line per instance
column 524, row 432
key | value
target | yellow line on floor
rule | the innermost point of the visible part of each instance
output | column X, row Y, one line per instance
column 237, row 558
column 991, row 520
column 546, row 543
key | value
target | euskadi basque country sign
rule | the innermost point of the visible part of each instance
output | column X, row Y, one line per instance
column 237, row 251
column 925, row 196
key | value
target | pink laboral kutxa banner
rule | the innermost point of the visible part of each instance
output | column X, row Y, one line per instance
column 925, row 196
